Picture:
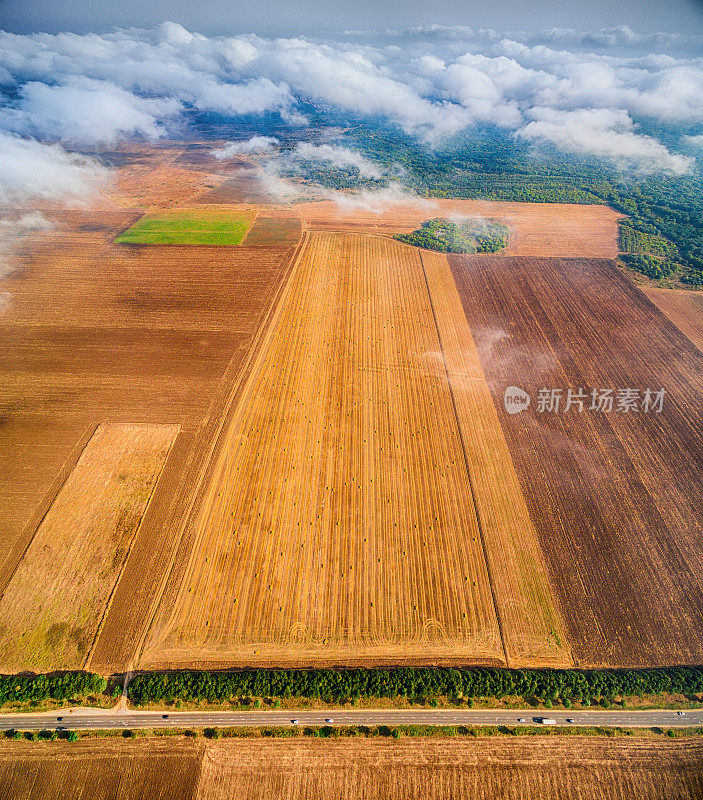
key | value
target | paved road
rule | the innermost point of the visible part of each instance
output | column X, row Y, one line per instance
column 87, row 718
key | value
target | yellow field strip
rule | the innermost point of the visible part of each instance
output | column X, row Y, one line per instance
column 53, row 604
column 532, row 627
column 339, row 522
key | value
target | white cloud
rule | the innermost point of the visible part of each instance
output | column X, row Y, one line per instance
column 432, row 82
column 337, row 156
column 31, row 171
column 379, row 200
column 257, row 144
column 85, row 111
column 602, row 132
column 12, row 233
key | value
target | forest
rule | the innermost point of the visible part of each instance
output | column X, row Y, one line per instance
column 662, row 237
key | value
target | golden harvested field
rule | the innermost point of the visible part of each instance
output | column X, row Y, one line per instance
column 520, row 768
column 345, row 486
column 339, row 520
column 107, row 769
column 684, row 309
column 52, row 606
column 536, row 229
column 531, row 627
column 616, row 497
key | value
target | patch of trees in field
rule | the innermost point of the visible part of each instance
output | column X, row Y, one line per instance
column 338, row 685
column 464, row 236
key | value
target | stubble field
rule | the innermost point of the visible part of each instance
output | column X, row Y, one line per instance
column 345, row 486
column 52, row 607
column 497, row 768
column 521, row 768
column 616, row 497
column 95, row 332
column 363, row 505
column 536, row 229
column 100, row 770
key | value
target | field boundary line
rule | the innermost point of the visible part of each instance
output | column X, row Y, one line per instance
column 86, row 664
column 30, row 529
column 207, row 464
column 466, row 464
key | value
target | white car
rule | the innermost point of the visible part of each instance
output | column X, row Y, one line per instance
column 681, row 713
column 329, row 719
column 521, row 719
column 294, row 722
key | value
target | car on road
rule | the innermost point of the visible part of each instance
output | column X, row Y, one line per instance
column 59, row 719
column 521, row 719
column 329, row 719
column 164, row 716
column 548, row 721
column 294, row 722
column 569, row 719
column 680, row 713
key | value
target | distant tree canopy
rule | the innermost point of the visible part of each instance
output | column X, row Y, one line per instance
column 337, row 685
column 463, row 236
column 665, row 211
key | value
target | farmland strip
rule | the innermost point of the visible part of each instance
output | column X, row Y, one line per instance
column 532, row 629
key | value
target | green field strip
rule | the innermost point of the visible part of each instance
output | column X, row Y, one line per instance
column 187, row 228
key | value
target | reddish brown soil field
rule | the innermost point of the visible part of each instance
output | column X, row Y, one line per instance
column 273, row 228
column 616, row 497
column 108, row 769
column 159, row 176
column 98, row 332
column 684, row 309
column 536, row 229
column 244, row 187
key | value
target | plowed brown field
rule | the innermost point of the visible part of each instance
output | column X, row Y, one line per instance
column 684, row 309
column 522, row 768
column 96, row 332
column 340, row 518
column 536, row 229
column 108, row 769
column 616, row 497
column 274, row 228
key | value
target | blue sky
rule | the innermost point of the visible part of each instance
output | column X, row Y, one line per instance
column 313, row 16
